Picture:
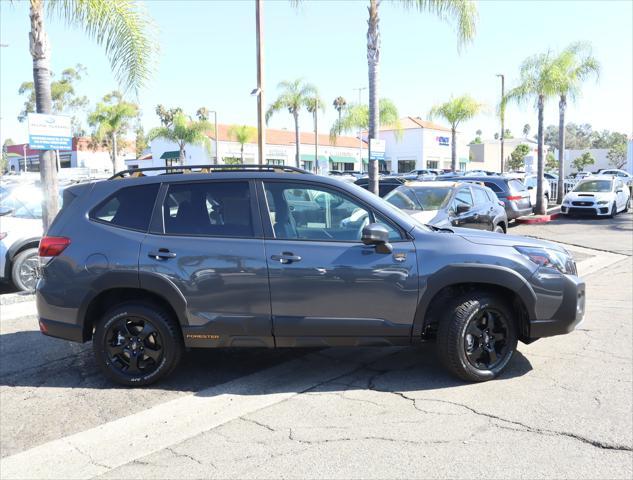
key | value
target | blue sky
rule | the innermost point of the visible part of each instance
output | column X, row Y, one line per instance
column 207, row 58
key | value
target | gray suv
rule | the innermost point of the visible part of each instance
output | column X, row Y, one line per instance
column 266, row 256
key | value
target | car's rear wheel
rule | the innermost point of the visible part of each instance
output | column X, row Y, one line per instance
column 137, row 344
column 477, row 336
column 25, row 269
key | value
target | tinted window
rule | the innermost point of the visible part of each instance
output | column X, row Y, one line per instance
column 516, row 185
column 493, row 186
column 130, row 207
column 594, row 186
column 432, row 198
column 326, row 214
column 480, row 196
column 394, row 233
column 403, row 198
column 491, row 195
column 464, row 197
column 221, row 209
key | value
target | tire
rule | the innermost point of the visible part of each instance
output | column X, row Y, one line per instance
column 124, row 338
column 459, row 333
column 499, row 229
column 614, row 210
column 25, row 270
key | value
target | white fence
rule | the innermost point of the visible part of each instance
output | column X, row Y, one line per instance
column 569, row 184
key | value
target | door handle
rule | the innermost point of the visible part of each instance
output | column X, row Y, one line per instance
column 286, row 257
column 162, row 254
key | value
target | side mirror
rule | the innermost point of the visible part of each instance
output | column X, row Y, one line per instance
column 377, row 235
column 619, row 190
column 459, row 209
column 530, row 188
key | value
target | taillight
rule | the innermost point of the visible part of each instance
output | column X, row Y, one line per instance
column 514, row 197
column 53, row 246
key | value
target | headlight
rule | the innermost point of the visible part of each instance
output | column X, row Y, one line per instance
column 602, row 202
column 546, row 257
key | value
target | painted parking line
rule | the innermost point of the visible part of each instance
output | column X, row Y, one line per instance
column 96, row 451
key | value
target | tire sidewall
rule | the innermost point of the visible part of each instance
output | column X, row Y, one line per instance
column 480, row 304
column 171, row 348
column 18, row 260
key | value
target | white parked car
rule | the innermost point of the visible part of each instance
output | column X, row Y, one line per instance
column 600, row 195
column 624, row 175
column 530, row 183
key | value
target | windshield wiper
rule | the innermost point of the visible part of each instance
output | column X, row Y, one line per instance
column 438, row 229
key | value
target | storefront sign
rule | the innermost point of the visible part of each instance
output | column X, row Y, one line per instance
column 49, row 132
column 377, row 149
column 443, row 141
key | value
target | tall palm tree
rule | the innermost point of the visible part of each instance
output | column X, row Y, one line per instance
column 456, row 111
column 314, row 105
column 242, row 134
column 294, row 96
column 575, row 65
column 339, row 104
column 111, row 119
column 526, row 130
column 121, row 26
column 184, row 131
column 463, row 12
column 539, row 82
column 356, row 117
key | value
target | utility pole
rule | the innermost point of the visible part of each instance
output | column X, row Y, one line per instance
column 360, row 136
column 502, row 114
column 261, row 132
column 316, row 134
column 215, row 122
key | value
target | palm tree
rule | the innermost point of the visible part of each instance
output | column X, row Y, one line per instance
column 314, row 105
column 242, row 135
column 184, row 131
column 294, row 95
column 121, row 26
column 540, row 82
column 464, row 12
column 575, row 65
column 526, row 130
column 455, row 111
column 357, row 117
column 339, row 104
column 111, row 119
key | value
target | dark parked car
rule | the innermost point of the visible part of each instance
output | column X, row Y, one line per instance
column 251, row 256
column 451, row 204
column 385, row 183
column 511, row 191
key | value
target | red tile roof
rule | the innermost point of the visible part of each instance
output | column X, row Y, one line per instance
column 417, row 122
column 287, row 137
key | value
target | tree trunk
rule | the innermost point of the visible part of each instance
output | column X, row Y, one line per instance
column 562, row 105
column 295, row 114
column 316, row 136
column 40, row 52
column 373, row 61
column 454, row 149
column 242, row 154
column 181, row 154
column 339, row 121
column 115, row 162
column 540, row 165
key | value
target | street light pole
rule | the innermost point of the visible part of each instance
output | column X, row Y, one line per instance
column 360, row 137
column 24, row 152
column 502, row 114
column 261, row 132
column 215, row 121
column 316, row 133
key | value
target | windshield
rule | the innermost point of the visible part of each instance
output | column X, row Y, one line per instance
column 432, row 198
column 403, row 197
column 594, row 186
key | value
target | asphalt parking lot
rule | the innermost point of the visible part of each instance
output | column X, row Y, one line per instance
column 562, row 409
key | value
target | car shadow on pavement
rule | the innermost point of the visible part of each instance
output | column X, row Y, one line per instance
column 29, row 359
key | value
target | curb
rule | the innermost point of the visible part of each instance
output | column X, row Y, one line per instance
column 11, row 298
column 538, row 218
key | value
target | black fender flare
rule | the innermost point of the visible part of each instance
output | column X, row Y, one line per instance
column 151, row 282
column 456, row 274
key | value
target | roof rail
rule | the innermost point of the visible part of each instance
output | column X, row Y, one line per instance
column 138, row 172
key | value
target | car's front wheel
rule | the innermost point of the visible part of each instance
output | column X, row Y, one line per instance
column 25, row 269
column 477, row 336
column 137, row 344
column 614, row 210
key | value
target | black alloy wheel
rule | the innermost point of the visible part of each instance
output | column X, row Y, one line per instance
column 486, row 339
column 134, row 346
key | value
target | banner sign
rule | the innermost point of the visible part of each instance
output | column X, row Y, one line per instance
column 377, row 149
column 443, row 141
column 50, row 132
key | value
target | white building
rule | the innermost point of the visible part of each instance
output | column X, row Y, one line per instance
column 487, row 154
column 347, row 153
column 421, row 144
column 599, row 155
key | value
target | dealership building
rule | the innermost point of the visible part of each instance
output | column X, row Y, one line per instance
column 345, row 154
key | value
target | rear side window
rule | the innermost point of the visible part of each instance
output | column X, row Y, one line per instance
column 218, row 209
column 493, row 186
column 464, row 197
column 480, row 196
column 491, row 195
column 130, row 207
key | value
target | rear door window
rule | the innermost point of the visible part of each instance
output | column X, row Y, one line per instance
column 480, row 196
column 516, row 185
column 129, row 207
column 464, row 197
column 218, row 209
column 493, row 186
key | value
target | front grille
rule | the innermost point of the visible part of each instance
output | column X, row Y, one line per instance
column 582, row 204
column 582, row 211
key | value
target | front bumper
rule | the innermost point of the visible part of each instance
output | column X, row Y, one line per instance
column 594, row 210
column 568, row 316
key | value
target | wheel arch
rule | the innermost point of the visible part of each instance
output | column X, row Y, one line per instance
column 455, row 279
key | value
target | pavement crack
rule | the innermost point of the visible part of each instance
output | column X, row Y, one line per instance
column 91, row 460
column 260, row 424
column 190, row 457
column 527, row 428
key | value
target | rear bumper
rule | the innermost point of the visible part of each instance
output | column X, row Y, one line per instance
column 512, row 211
column 568, row 316
column 62, row 330
column 57, row 321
